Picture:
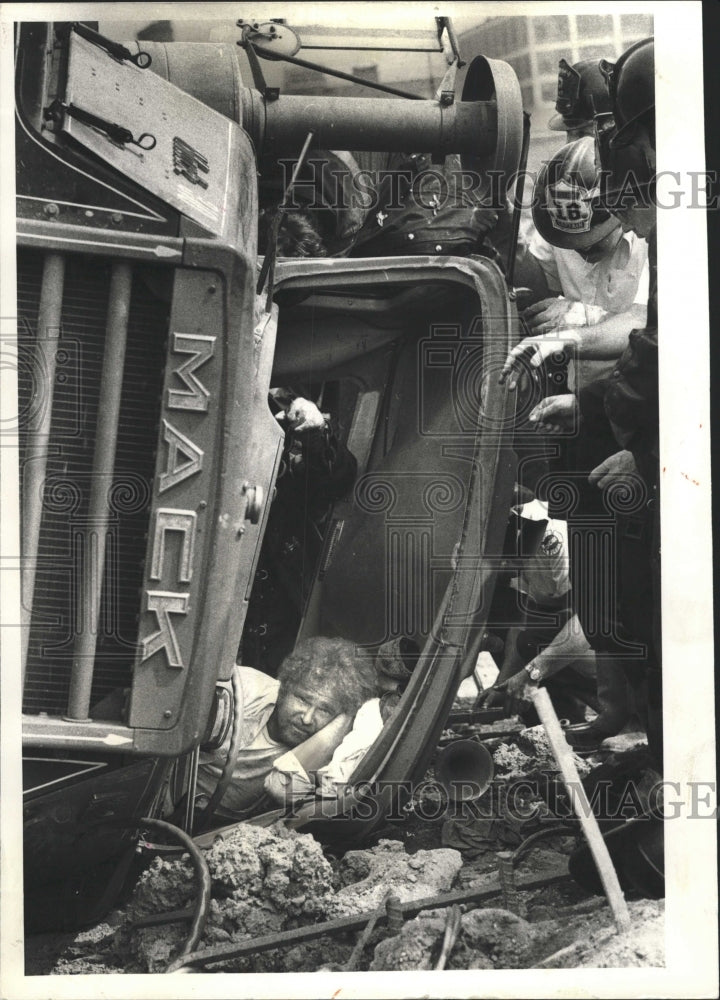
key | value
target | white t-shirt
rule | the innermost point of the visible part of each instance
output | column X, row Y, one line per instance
column 614, row 283
column 257, row 753
column 546, row 575
column 611, row 286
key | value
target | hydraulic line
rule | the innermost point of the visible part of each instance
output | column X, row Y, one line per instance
column 202, row 873
column 229, row 766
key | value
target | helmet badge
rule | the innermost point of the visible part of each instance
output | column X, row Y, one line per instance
column 569, row 210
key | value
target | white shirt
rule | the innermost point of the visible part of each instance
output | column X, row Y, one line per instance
column 609, row 287
column 546, row 575
column 613, row 284
column 257, row 752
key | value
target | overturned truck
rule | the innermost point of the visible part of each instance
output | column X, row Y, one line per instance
column 150, row 333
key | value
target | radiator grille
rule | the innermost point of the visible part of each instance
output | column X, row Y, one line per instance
column 64, row 519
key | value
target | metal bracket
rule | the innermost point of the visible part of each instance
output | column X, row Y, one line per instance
column 140, row 59
column 270, row 93
column 259, row 79
column 114, row 132
column 445, row 24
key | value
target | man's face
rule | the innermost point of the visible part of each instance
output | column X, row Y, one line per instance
column 603, row 248
column 639, row 217
column 577, row 133
column 301, row 710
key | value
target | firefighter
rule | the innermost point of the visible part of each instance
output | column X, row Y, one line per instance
column 603, row 275
column 581, row 94
column 597, row 274
column 626, row 402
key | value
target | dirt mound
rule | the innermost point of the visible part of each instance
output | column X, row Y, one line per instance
column 371, row 875
column 493, row 938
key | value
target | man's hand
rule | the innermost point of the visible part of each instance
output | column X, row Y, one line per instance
column 534, row 351
column 613, row 468
column 555, row 414
column 317, row 750
column 553, row 314
column 517, row 692
column 303, row 415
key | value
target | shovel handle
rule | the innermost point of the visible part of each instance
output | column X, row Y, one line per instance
column 564, row 757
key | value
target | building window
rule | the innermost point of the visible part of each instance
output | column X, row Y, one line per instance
column 548, row 61
column 593, row 25
column 592, row 53
column 519, row 34
column 549, row 91
column 553, row 28
column 636, row 25
column 521, row 65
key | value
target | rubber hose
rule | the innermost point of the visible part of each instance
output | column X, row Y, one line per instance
column 202, row 873
column 229, row 766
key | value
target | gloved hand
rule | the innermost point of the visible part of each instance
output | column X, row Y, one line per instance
column 550, row 315
column 555, row 414
column 533, row 352
column 303, row 415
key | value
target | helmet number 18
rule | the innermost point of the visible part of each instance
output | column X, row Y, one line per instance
column 568, row 212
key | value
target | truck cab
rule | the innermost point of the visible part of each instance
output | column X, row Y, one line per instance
column 150, row 335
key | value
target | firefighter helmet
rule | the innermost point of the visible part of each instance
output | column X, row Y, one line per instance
column 631, row 85
column 627, row 170
column 565, row 209
column 582, row 93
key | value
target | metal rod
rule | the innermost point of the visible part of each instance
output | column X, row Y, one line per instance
column 256, row 945
column 35, row 467
column 361, row 942
column 103, row 465
column 452, row 928
column 598, row 847
column 519, row 191
column 171, row 917
column 339, row 74
column 445, row 23
column 192, row 790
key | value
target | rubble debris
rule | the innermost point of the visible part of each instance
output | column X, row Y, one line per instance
column 527, row 752
column 415, row 946
column 511, row 762
column 264, row 880
column 643, row 945
column 494, row 938
column 491, row 824
column 488, row 939
column 368, row 876
column 272, row 880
